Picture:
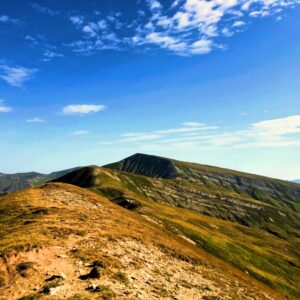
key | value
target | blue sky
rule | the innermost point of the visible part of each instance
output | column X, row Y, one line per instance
column 90, row 82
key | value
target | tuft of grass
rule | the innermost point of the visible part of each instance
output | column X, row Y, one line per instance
column 31, row 297
column 79, row 297
column 106, row 292
column 2, row 279
column 51, row 285
column 122, row 277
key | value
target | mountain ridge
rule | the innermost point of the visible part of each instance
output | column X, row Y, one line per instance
column 250, row 222
column 18, row 181
column 63, row 242
column 255, row 186
column 257, row 232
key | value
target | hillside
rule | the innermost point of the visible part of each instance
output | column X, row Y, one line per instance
column 216, row 209
column 19, row 181
column 272, row 191
column 59, row 241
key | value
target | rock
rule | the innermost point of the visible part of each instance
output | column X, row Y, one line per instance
column 73, row 249
column 95, row 273
column 63, row 256
column 54, row 277
column 97, row 263
column 94, row 288
column 127, row 203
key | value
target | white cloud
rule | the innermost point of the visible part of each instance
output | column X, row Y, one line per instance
column 202, row 46
column 90, row 29
column 35, row 120
column 7, row 19
column 187, row 127
column 77, row 20
column 284, row 132
column 44, row 10
column 184, row 27
column 154, row 4
column 49, row 55
column 278, row 127
column 238, row 23
column 4, row 108
column 82, row 109
column 80, row 132
column 15, row 76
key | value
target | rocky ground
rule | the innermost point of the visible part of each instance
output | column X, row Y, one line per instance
column 69, row 243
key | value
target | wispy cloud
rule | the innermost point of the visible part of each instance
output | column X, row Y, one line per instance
column 77, row 20
column 4, row 108
column 49, row 55
column 186, row 128
column 44, row 9
column 35, row 120
column 7, row 19
column 274, row 133
column 80, row 132
column 16, row 75
column 82, row 109
column 186, row 27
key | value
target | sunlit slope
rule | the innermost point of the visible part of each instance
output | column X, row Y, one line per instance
column 217, row 180
column 257, row 237
column 59, row 241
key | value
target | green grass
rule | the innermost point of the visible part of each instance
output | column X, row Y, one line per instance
column 263, row 240
column 122, row 277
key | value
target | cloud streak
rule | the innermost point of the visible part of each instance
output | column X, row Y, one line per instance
column 283, row 132
column 35, row 120
column 4, row 108
column 82, row 109
column 16, row 76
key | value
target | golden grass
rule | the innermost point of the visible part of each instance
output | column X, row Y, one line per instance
column 54, row 213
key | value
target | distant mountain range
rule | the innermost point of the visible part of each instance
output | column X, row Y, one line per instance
column 19, row 181
column 296, row 180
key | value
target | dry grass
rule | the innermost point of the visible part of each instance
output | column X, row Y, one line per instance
column 61, row 228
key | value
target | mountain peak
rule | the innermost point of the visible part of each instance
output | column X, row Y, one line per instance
column 147, row 165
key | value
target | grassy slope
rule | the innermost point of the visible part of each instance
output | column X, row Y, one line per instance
column 273, row 259
column 231, row 183
column 282, row 198
column 45, row 220
column 12, row 182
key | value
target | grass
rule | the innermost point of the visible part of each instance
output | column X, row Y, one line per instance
column 31, row 297
column 112, row 222
column 261, row 238
column 106, row 293
column 122, row 277
column 2, row 279
column 263, row 255
column 267, row 250
column 46, row 289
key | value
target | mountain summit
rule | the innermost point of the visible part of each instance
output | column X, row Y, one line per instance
column 248, row 223
column 147, row 165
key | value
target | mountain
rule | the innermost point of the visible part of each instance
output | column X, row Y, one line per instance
column 19, row 181
column 296, row 180
column 241, row 184
column 59, row 241
column 251, row 222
